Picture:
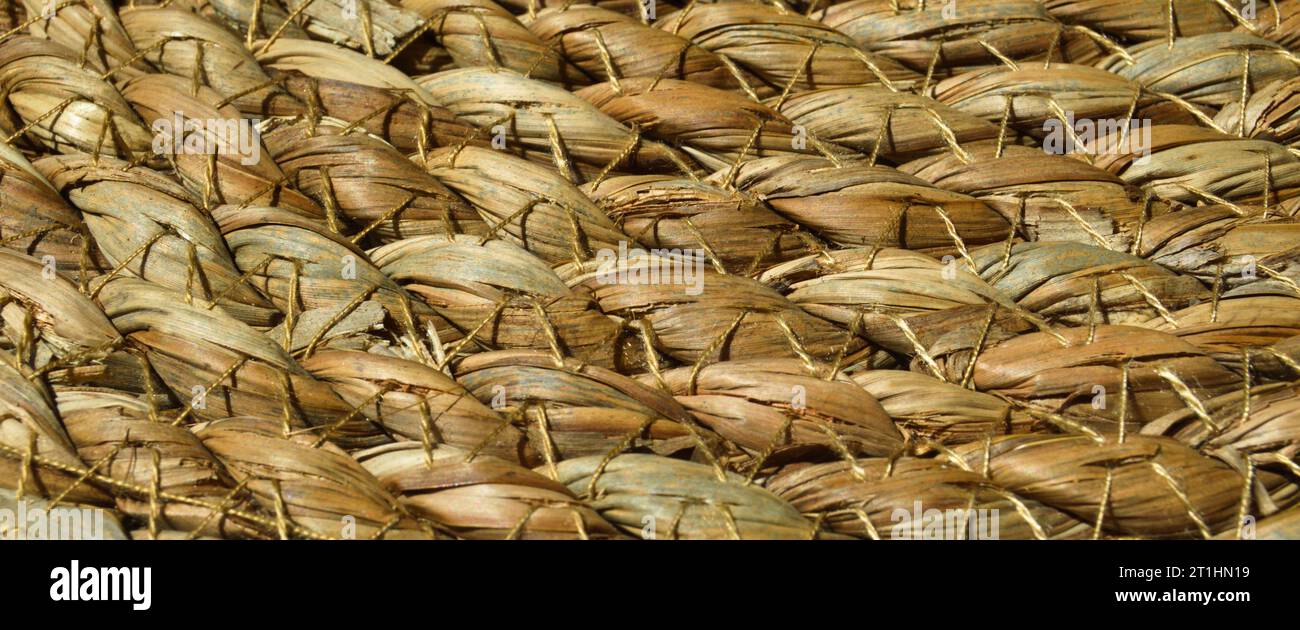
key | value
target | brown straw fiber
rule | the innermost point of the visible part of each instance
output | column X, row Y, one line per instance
column 605, row 269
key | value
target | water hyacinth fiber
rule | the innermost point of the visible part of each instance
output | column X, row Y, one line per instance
column 744, row 269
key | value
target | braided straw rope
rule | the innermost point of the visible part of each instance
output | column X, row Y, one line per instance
column 477, row 269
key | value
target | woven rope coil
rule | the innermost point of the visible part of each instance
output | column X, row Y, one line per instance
column 435, row 269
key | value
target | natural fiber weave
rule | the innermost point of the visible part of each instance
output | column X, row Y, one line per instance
column 477, row 269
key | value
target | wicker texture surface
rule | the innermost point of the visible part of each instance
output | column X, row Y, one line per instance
column 657, row 269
